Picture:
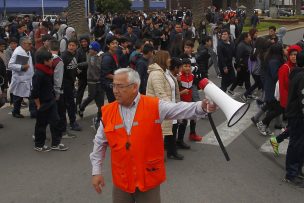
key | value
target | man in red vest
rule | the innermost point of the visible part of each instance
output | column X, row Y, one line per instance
column 131, row 127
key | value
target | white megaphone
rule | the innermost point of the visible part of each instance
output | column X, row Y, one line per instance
column 232, row 109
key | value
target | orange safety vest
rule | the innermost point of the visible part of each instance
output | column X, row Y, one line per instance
column 137, row 159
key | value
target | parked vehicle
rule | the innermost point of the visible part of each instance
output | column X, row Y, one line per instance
column 282, row 12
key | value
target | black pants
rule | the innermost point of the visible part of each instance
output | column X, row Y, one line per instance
column 227, row 79
column 182, row 128
column 62, row 113
column 95, row 93
column 242, row 76
column 257, row 84
column 273, row 110
column 68, row 89
column 17, row 105
column 45, row 117
column 82, row 84
column 284, row 135
column 109, row 92
column 170, row 141
column 295, row 151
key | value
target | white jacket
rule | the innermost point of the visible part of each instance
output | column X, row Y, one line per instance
column 21, row 80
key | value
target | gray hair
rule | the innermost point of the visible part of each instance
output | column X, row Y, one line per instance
column 23, row 39
column 133, row 75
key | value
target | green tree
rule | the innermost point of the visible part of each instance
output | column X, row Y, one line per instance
column 76, row 17
column 113, row 5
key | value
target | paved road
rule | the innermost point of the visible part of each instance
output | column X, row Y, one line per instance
column 252, row 175
column 293, row 36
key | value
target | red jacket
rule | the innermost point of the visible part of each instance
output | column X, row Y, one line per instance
column 283, row 75
column 186, row 83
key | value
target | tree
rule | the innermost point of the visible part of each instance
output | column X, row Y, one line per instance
column 199, row 9
column 298, row 7
column 146, row 5
column 249, row 5
column 76, row 16
column 112, row 5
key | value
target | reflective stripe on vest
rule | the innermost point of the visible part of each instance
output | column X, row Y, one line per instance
column 137, row 159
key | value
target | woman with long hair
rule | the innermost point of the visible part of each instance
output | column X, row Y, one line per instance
column 163, row 85
column 273, row 61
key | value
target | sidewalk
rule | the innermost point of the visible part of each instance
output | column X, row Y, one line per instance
column 289, row 28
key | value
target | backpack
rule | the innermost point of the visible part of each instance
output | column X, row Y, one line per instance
column 277, row 87
column 66, row 43
column 133, row 61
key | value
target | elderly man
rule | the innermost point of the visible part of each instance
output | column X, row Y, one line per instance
column 22, row 68
column 131, row 126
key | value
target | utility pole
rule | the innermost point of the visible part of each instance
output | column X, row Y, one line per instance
column 42, row 8
column 4, row 11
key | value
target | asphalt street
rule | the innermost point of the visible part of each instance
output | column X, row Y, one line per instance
column 253, row 174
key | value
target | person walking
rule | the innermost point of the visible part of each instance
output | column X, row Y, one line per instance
column 95, row 92
column 122, row 127
column 158, row 85
column 22, row 68
column 225, row 51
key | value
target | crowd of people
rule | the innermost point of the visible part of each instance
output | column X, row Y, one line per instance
column 52, row 66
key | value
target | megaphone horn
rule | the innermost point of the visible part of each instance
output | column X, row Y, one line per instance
column 232, row 109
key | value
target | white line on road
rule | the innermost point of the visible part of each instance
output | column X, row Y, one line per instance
column 229, row 134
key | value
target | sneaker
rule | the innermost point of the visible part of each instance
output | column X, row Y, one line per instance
column 301, row 175
column 243, row 98
column 67, row 135
column 250, row 96
column 253, row 120
column 23, row 104
column 60, row 147
column 75, row 126
column 259, row 102
column 17, row 115
column 1, row 126
column 43, row 149
column 231, row 92
column 194, row 137
column 296, row 181
column 275, row 145
column 80, row 113
column 262, row 128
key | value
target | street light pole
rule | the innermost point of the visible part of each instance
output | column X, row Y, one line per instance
column 42, row 7
column 4, row 11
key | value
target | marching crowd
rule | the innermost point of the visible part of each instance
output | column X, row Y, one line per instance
column 52, row 66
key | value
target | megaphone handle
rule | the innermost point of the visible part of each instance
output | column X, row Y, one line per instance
column 219, row 140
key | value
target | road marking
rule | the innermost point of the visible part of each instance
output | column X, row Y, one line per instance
column 229, row 134
column 266, row 147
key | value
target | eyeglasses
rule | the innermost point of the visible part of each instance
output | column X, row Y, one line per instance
column 120, row 86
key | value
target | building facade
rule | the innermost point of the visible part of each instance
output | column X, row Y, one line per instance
column 30, row 6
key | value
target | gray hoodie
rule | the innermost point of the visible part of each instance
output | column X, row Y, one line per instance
column 281, row 33
column 61, row 32
column 94, row 66
column 68, row 35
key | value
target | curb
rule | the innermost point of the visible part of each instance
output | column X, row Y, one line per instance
column 291, row 29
